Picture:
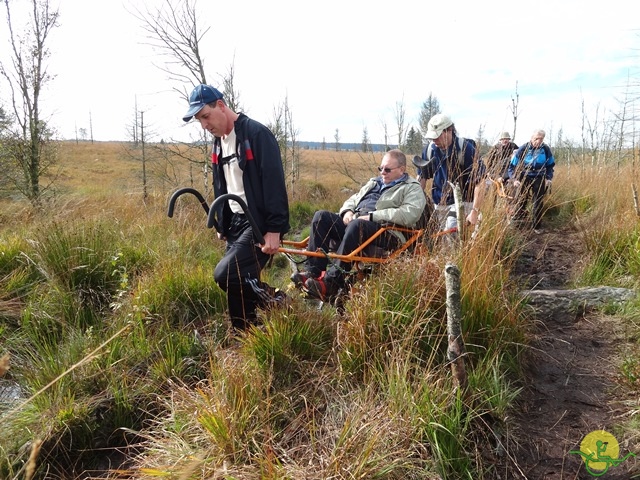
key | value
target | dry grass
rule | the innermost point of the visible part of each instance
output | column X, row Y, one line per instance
column 101, row 175
column 378, row 405
column 104, row 180
column 108, row 167
column 101, row 169
column 5, row 362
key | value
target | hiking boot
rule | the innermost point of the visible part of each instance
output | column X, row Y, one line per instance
column 242, row 324
column 299, row 278
column 321, row 289
column 280, row 300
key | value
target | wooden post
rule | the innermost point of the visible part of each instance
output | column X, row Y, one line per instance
column 460, row 216
column 455, row 351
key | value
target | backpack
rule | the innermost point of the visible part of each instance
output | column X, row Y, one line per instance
column 421, row 163
column 522, row 151
column 460, row 147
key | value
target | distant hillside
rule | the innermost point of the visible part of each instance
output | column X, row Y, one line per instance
column 351, row 147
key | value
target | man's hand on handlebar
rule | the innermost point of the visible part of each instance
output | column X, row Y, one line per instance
column 271, row 243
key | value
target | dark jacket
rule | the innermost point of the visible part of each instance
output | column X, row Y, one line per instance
column 497, row 160
column 263, row 177
column 456, row 165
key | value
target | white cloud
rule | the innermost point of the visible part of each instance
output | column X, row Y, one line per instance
column 345, row 65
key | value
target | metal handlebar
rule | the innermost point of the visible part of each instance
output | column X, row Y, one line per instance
column 182, row 191
column 211, row 210
column 419, row 162
column 211, row 219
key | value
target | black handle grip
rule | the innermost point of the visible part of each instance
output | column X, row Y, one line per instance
column 419, row 161
column 211, row 219
column 182, row 191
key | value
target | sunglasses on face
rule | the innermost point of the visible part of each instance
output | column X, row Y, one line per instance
column 386, row 169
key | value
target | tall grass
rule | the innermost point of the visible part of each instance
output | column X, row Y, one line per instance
column 615, row 257
column 119, row 340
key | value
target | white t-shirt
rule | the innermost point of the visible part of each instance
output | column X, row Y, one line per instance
column 232, row 171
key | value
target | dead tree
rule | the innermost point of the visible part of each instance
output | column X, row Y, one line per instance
column 455, row 350
column 558, row 303
column 29, row 150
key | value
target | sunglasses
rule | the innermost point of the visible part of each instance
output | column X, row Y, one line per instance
column 386, row 169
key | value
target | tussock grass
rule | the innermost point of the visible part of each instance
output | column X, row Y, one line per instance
column 288, row 345
column 395, row 310
column 180, row 296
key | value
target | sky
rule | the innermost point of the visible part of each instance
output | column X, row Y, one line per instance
column 347, row 65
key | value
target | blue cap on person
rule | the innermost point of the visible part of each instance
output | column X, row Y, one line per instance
column 201, row 96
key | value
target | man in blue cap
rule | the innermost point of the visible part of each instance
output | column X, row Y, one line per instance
column 246, row 162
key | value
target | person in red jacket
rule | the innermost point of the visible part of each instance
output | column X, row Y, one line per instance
column 246, row 162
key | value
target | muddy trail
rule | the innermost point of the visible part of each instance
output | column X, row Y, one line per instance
column 571, row 385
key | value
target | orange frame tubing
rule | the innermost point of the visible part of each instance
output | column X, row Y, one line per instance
column 500, row 189
column 297, row 248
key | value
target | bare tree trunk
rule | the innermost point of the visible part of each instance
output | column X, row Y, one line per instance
column 400, row 119
column 460, row 217
column 144, row 160
column 514, row 110
column 558, row 303
column 26, row 77
column 455, row 351
column 634, row 192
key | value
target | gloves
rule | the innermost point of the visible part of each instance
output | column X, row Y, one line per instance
column 547, row 185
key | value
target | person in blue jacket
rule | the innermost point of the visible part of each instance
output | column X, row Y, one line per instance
column 450, row 159
column 246, row 162
column 531, row 171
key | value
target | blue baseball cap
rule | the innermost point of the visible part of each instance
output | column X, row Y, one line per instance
column 202, row 95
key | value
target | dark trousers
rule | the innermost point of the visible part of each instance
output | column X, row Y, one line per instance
column 238, row 274
column 534, row 188
column 327, row 227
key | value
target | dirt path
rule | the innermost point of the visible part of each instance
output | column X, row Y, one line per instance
column 570, row 374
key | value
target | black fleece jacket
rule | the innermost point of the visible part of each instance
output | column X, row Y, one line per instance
column 263, row 177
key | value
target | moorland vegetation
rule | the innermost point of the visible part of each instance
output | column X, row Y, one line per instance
column 119, row 362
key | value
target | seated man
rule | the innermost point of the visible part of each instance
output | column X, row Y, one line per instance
column 393, row 197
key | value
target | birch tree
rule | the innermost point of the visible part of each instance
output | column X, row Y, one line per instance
column 28, row 150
